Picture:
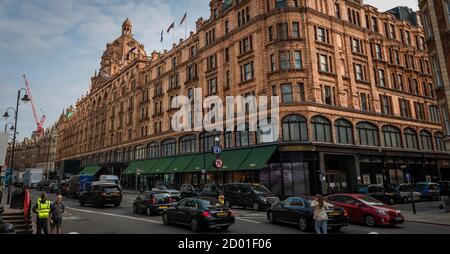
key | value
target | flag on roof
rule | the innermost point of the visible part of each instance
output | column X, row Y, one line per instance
column 171, row 27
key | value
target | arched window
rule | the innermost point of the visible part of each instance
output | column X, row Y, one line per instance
column 321, row 129
column 344, row 132
column 118, row 156
column 426, row 140
column 243, row 138
column 229, row 139
column 410, row 139
column 125, row 155
column 207, row 140
column 168, row 147
column 392, row 136
column 130, row 154
column 367, row 134
column 439, row 141
column 188, row 144
column 295, row 128
column 153, row 150
column 139, row 152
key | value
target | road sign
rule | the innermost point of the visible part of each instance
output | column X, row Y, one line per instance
column 217, row 150
column 218, row 163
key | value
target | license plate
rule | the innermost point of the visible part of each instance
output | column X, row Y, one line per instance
column 399, row 219
column 222, row 214
column 163, row 207
column 334, row 213
column 114, row 194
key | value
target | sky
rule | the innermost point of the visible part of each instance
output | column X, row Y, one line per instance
column 58, row 45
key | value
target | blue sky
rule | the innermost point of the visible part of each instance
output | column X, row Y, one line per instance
column 58, row 44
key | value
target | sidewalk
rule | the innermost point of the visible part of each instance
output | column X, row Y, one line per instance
column 434, row 217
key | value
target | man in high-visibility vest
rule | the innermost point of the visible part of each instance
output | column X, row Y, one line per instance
column 42, row 211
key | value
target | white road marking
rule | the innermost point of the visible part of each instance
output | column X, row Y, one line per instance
column 115, row 215
column 252, row 221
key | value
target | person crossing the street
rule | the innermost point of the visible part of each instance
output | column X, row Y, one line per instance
column 57, row 210
column 320, row 215
column 42, row 211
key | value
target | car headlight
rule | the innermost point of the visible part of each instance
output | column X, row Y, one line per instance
column 263, row 199
column 382, row 212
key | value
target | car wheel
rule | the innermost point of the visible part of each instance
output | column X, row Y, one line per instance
column 255, row 206
column 81, row 202
column 194, row 225
column 336, row 229
column 370, row 221
column 303, row 224
column 149, row 212
column 165, row 218
column 224, row 228
column 116, row 204
column 270, row 217
column 227, row 204
column 135, row 209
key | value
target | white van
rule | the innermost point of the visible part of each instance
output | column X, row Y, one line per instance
column 110, row 178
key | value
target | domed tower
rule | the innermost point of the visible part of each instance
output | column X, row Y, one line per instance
column 127, row 27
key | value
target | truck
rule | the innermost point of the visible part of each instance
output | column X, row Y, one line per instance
column 77, row 184
column 32, row 177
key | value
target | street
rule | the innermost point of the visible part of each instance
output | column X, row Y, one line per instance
column 121, row 220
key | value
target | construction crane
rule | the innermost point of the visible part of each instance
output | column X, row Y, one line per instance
column 39, row 123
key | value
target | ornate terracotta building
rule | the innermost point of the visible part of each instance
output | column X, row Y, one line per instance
column 436, row 17
column 358, row 103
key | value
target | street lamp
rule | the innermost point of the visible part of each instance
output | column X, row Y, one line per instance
column 24, row 99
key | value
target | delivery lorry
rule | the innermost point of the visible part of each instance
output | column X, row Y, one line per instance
column 32, row 177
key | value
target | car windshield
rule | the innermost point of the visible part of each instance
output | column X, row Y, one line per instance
column 363, row 189
column 111, row 189
column 161, row 196
column 209, row 204
column 168, row 186
column 260, row 189
column 370, row 201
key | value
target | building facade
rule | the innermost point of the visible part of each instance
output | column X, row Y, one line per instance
column 436, row 21
column 358, row 103
column 35, row 152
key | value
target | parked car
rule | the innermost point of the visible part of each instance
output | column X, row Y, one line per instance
column 378, row 192
column 43, row 185
column 102, row 193
column 367, row 210
column 298, row 211
column 245, row 195
column 189, row 191
column 212, row 191
column 170, row 188
column 199, row 213
column 429, row 191
column 403, row 193
column 152, row 202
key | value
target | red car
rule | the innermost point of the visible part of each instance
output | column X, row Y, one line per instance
column 369, row 211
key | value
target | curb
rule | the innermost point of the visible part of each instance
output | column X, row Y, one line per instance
column 429, row 223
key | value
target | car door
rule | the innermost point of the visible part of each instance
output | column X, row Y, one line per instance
column 280, row 211
column 187, row 211
column 296, row 209
column 245, row 197
column 176, row 214
column 353, row 209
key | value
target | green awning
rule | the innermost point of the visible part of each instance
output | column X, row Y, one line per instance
column 200, row 162
column 258, row 158
column 131, row 170
column 146, row 167
column 162, row 165
column 179, row 164
column 233, row 159
column 90, row 171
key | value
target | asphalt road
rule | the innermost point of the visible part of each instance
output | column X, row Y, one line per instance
column 121, row 220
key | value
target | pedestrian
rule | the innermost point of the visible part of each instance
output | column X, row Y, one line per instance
column 445, row 193
column 42, row 210
column 320, row 215
column 57, row 210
